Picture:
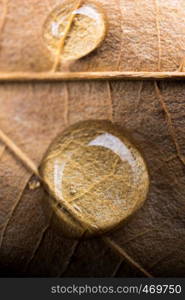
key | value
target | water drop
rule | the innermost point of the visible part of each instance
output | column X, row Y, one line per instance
column 86, row 28
column 94, row 167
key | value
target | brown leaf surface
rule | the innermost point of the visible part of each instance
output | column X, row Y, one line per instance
column 143, row 35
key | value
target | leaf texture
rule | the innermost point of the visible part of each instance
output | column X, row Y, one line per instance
column 143, row 35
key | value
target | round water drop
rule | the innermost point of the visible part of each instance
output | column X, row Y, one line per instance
column 96, row 178
column 81, row 24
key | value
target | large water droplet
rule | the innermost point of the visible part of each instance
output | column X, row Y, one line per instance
column 96, row 178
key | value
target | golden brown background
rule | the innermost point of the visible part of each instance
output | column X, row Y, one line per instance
column 144, row 35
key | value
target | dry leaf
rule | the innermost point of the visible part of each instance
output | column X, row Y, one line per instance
column 143, row 35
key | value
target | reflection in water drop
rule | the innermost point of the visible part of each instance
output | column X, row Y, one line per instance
column 88, row 11
column 57, row 176
column 95, row 169
column 116, row 145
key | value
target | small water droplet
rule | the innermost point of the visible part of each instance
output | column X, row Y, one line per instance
column 34, row 184
column 86, row 31
column 95, row 167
